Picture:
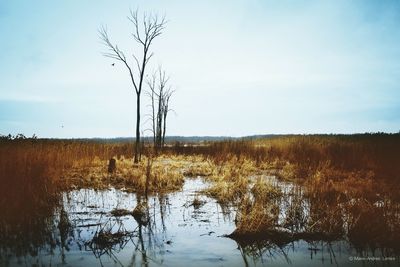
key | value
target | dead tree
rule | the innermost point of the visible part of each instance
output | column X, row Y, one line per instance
column 162, row 83
column 151, row 82
column 160, row 95
column 145, row 30
column 166, row 109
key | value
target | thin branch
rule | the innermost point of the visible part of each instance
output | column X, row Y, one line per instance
column 115, row 53
column 137, row 63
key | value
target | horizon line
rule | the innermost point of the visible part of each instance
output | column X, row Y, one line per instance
column 208, row 136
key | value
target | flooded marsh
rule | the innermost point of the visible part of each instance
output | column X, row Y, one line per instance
column 247, row 205
column 90, row 227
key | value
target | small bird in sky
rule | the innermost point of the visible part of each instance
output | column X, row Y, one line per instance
column 113, row 64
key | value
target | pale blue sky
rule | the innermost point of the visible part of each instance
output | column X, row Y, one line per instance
column 238, row 67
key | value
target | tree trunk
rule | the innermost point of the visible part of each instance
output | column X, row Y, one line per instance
column 159, row 121
column 165, row 126
column 137, row 145
column 153, row 117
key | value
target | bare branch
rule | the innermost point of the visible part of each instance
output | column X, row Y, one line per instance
column 148, row 57
column 134, row 19
column 115, row 52
column 137, row 63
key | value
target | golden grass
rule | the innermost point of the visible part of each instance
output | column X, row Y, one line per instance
column 315, row 160
column 303, row 155
column 255, row 217
column 230, row 179
column 162, row 173
column 259, row 209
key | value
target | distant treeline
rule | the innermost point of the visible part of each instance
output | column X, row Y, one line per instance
column 200, row 139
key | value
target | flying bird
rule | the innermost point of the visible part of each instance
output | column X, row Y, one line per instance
column 113, row 64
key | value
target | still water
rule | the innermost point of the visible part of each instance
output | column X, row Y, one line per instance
column 182, row 228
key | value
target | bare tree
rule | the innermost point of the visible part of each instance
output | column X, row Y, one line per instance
column 166, row 109
column 160, row 94
column 151, row 82
column 144, row 32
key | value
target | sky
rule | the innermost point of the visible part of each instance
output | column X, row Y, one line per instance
column 238, row 67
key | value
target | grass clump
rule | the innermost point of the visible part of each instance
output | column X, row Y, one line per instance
column 264, row 191
column 228, row 191
column 254, row 216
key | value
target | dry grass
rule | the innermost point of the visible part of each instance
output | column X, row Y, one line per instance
column 300, row 156
column 230, row 179
column 42, row 167
column 354, row 166
column 259, row 209
column 343, row 178
column 162, row 173
column 37, row 165
column 339, row 163
column 293, row 157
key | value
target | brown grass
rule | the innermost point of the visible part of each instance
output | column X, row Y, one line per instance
column 335, row 171
column 300, row 156
column 35, row 166
column 41, row 166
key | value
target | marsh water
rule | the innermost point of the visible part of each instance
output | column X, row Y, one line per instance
column 184, row 228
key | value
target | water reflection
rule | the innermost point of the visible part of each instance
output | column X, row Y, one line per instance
column 27, row 226
column 329, row 221
column 114, row 228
